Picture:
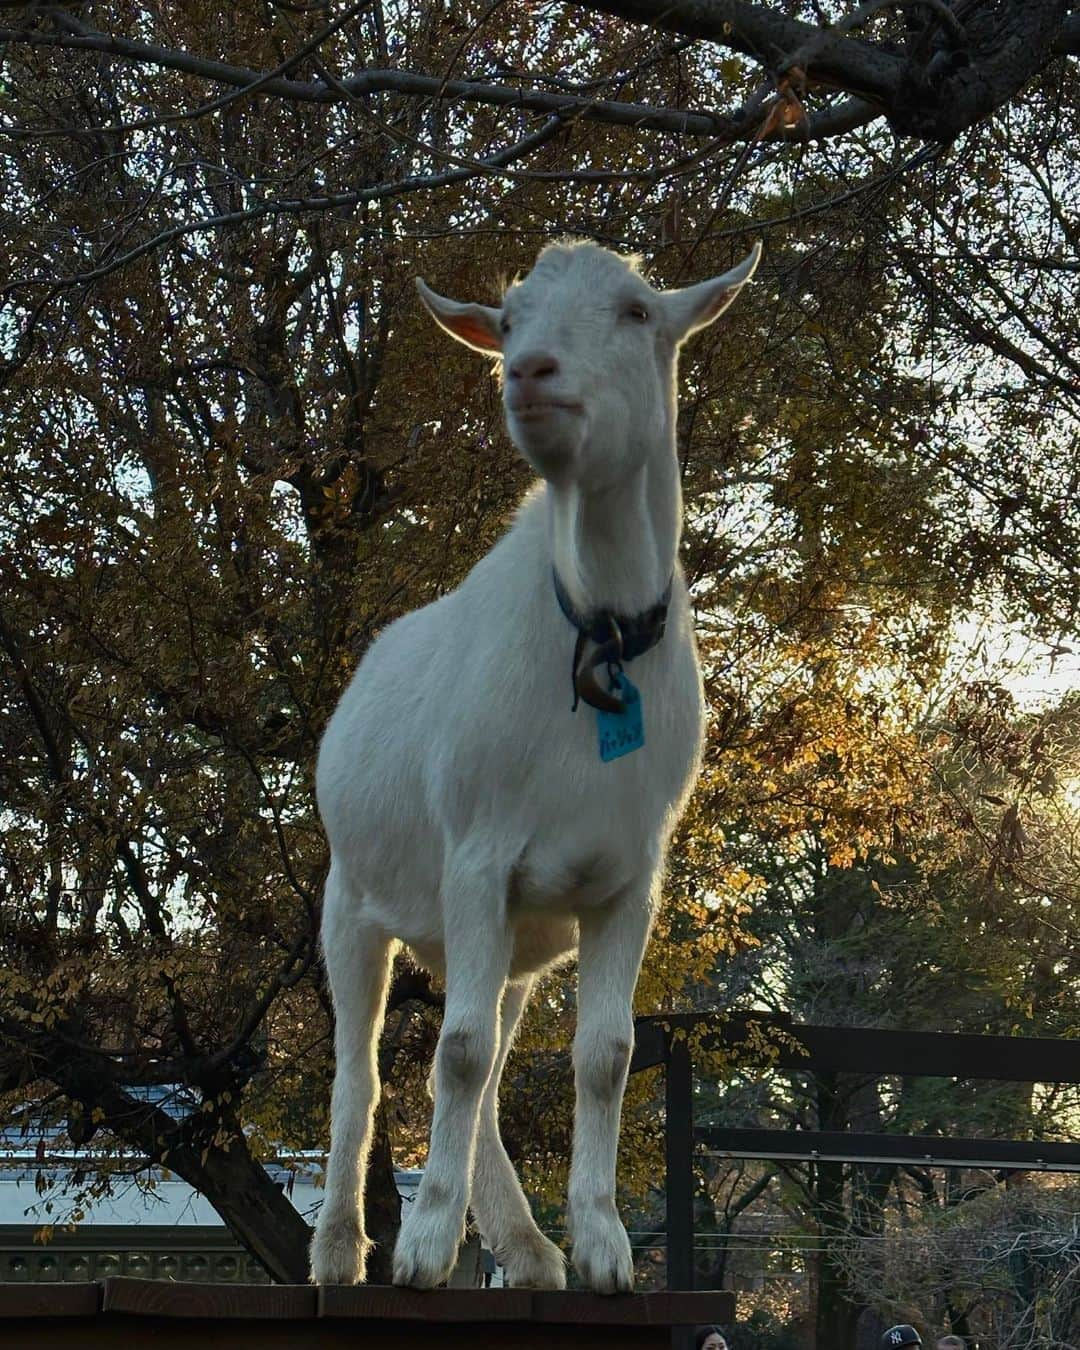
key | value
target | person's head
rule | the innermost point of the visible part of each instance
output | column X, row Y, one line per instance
column 710, row 1338
column 951, row 1342
column 899, row 1337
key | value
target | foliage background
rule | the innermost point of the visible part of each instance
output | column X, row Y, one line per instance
column 233, row 451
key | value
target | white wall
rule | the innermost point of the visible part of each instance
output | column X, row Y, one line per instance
column 171, row 1202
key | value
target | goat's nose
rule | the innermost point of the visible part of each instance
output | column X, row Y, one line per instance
column 534, row 366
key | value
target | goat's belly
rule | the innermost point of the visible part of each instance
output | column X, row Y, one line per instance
column 540, row 942
column 554, row 879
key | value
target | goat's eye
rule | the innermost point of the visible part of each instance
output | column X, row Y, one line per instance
column 638, row 313
column 504, row 325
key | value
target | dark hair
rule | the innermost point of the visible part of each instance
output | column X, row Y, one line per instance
column 702, row 1334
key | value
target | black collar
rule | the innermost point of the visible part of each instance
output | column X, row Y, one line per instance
column 619, row 638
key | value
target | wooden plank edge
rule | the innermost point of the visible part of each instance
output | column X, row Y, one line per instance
column 165, row 1298
column 128, row 1296
column 548, row 1307
column 49, row 1300
column 384, row 1302
column 660, row 1307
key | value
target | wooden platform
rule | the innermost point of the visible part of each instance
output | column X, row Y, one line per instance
column 131, row 1313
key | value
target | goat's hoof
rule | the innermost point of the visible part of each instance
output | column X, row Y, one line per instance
column 532, row 1262
column 339, row 1253
column 426, row 1250
column 602, row 1256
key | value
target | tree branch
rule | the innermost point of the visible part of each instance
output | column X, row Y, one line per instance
column 300, row 206
column 639, row 116
column 934, row 97
column 934, row 102
column 767, row 35
column 980, row 330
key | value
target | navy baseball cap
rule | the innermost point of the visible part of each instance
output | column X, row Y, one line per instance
column 896, row 1337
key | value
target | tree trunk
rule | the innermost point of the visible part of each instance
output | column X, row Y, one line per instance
column 257, row 1212
column 382, row 1204
column 254, row 1207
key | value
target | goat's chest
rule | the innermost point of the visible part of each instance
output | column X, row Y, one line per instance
column 587, row 828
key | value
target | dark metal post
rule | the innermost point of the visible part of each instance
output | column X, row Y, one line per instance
column 679, row 1146
column 679, row 1141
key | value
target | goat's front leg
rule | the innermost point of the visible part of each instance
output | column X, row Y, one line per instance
column 357, row 958
column 477, row 946
column 612, row 943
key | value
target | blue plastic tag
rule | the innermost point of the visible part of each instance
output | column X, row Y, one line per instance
column 620, row 733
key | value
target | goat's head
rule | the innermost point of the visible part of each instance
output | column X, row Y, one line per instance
column 588, row 351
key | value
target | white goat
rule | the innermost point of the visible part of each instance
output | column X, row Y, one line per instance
column 470, row 814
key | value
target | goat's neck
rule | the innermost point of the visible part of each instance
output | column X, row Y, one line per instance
column 616, row 548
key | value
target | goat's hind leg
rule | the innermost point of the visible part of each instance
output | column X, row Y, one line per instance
column 502, row 1212
column 357, row 957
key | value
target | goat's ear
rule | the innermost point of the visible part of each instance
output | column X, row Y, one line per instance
column 695, row 307
column 475, row 325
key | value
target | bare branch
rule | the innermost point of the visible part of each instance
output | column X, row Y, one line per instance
column 301, row 206
column 933, row 98
column 640, row 116
column 767, row 35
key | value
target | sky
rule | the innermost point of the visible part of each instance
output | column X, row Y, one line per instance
column 1035, row 673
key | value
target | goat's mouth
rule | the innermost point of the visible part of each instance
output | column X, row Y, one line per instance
column 534, row 410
